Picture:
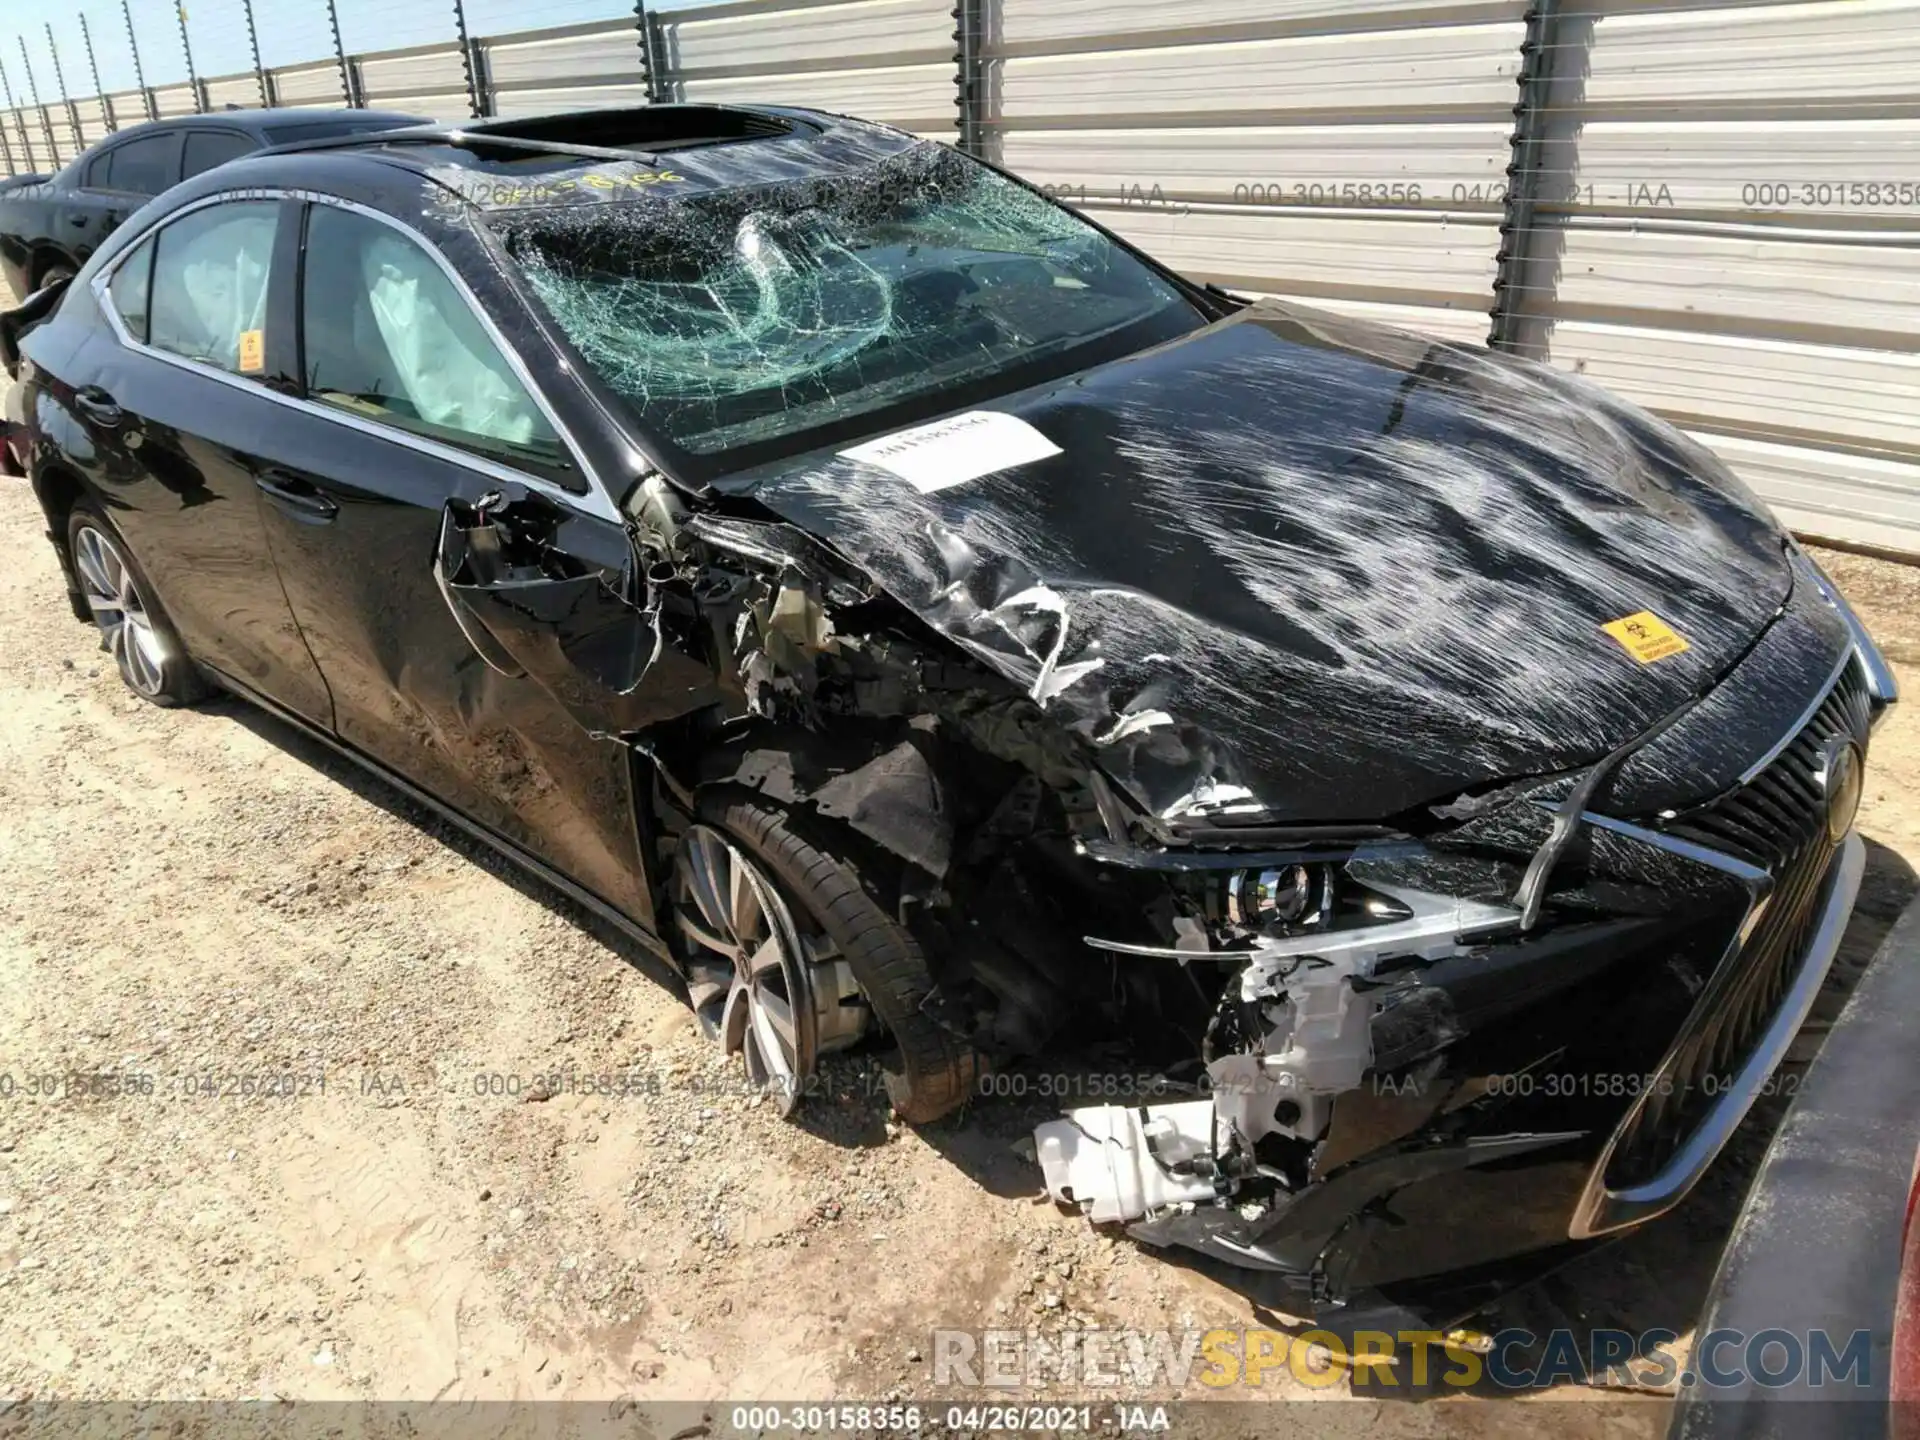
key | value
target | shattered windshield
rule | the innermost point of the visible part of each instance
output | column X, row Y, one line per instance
column 735, row 316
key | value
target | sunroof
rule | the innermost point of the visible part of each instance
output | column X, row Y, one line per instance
column 647, row 128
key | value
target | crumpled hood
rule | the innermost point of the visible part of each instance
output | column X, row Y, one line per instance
column 1320, row 568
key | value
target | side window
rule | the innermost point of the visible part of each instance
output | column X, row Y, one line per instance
column 389, row 337
column 140, row 167
column 100, row 171
column 209, row 288
column 129, row 287
column 208, row 148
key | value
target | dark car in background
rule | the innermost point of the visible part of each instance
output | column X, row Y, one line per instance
column 49, row 225
column 932, row 625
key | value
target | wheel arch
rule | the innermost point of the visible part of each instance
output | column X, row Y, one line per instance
column 58, row 487
column 44, row 257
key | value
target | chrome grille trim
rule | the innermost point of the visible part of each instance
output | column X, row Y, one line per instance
column 1774, row 827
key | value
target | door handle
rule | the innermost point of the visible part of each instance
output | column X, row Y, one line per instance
column 76, row 220
column 297, row 496
column 98, row 406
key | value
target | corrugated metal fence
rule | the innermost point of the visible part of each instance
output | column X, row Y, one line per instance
column 1711, row 208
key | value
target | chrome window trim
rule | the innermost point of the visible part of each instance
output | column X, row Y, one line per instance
column 597, row 501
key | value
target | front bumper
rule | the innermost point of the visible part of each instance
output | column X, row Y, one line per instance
column 1766, row 874
column 1815, row 1253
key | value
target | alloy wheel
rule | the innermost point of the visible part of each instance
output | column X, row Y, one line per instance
column 754, row 977
column 120, row 610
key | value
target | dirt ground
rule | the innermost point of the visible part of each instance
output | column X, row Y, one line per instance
column 203, row 897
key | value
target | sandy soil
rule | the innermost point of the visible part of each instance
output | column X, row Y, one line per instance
column 205, row 898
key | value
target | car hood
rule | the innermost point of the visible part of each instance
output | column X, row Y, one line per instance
column 1313, row 569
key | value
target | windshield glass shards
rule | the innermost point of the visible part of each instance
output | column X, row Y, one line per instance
column 732, row 317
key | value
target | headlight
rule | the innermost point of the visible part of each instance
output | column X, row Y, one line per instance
column 1294, row 899
column 1259, row 898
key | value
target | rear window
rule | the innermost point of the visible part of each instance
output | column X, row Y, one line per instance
column 748, row 316
column 140, row 167
column 209, row 148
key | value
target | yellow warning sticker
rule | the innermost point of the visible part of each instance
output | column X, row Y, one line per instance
column 253, row 351
column 1646, row 637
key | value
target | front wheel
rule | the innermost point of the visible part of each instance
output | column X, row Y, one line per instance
column 133, row 628
column 790, row 957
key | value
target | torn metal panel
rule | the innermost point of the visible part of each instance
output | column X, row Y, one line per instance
column 896, row 801
column 528, row 608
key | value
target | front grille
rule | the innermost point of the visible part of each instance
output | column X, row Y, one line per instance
column 1778, row 822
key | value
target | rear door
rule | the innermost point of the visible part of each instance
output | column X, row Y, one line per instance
column 414, row 416
column 117, row 182
column 176, row 402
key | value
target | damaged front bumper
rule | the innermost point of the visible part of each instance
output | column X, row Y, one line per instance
column 1322, row 1155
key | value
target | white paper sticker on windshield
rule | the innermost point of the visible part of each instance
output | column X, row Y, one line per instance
column 956, row 450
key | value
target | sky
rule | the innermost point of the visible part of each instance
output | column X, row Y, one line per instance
column 290, row 31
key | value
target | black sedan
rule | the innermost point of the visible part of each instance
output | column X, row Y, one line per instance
column 936, row 627
column 50, row 224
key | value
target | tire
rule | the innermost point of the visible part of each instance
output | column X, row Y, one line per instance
column 133, row 628
column 53, row 270
column 930, row 1072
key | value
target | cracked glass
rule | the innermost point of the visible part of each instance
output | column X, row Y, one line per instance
column 736, row 316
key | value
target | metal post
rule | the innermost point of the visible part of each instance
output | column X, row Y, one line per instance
column 649, row 54
column 93, row 64
column 347, row 87
column 6, row 153
column 139, row 75
column 469, row 62
column 33, row 94
column 60, row 79
column 259, row 70
column 1523, row 264
column 19, row 118
column 193, row 80
column 968, row 79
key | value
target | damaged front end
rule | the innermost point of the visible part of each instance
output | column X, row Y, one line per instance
column 1311, row 1018
column 1300, row 777
column 1335, row 1050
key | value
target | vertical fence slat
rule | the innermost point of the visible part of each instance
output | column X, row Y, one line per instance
column 33, row 94
column 968, row 76
column 1520, row 234
column 469, row 62
column 93, row 65
column 186, row 48
column 139, row 72
column 253, row 44
column 347, row 87
column 19, row 120
column 648, row 42
column 66, row 97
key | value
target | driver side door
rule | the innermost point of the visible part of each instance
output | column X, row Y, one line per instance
column 413, row 426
